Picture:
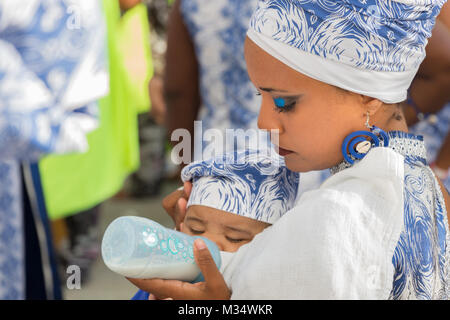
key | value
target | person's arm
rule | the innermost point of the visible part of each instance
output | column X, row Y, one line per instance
column 181, row 80
column 128, row 4
column 444, row 15
column 430, row 88
column 441, row 168
column 443, row 158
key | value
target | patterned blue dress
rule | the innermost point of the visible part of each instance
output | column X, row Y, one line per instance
column 434, row 134
column 52, row 69
column 422, row 255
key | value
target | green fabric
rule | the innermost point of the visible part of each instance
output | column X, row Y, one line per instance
column 76, row 182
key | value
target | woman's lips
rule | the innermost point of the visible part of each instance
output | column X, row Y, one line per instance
column 283, row 152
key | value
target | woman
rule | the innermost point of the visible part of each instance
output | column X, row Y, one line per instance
column 331, row 75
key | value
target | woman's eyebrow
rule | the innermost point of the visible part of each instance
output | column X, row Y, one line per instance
column 281, row 90
column 272, row 89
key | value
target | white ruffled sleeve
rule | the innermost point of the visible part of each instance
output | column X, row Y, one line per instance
column 337, row 243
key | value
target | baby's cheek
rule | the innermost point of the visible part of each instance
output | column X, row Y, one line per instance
column 233, row 247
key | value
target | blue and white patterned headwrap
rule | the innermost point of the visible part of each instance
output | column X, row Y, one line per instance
column 371, row 47
column 247, row 183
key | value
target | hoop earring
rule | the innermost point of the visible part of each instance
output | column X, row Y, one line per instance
column 357, row 144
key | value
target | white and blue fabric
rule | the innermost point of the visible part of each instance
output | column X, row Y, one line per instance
column 228, row 98
column 376, row 229
column 371, row 47
column 52, row 69
column 248, row 183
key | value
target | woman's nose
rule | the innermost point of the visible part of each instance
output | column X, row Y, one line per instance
column 268, row 119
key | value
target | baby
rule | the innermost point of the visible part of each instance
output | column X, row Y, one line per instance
column 236, row 196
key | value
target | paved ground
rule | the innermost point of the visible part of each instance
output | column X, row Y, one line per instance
column 103, row 284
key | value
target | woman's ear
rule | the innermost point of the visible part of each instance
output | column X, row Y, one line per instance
column 371, row 105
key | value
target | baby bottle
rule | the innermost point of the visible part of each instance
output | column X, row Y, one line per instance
column 137, row 247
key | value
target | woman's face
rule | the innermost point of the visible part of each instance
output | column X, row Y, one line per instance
column 313, row 118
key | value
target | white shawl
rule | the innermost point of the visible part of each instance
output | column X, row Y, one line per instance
column 336, row 243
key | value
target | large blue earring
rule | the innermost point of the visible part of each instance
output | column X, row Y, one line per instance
column 357, row 144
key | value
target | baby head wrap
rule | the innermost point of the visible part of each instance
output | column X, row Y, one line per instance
column 247, row 183
column 371, row 47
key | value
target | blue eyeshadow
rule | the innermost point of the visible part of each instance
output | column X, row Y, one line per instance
column 279, row 102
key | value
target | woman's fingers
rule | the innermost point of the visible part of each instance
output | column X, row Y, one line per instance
column 173, row 289
column 175, row 203
column 160, row 288
column 215, row 284
column 187, row 189
column 174, row 207
column 181, row 208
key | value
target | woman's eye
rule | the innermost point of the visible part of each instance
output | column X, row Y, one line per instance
column 279, row 102
column 284, row 105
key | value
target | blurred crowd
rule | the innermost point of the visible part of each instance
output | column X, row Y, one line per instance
column 88, row 106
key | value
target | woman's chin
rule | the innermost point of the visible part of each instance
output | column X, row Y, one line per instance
column 294, row 164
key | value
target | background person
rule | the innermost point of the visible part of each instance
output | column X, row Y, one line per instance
column 427, row 109
column 52, row 70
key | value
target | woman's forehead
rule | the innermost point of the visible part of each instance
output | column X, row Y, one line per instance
column 267, row 72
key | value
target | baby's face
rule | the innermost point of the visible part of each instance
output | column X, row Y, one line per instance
column 228, row 230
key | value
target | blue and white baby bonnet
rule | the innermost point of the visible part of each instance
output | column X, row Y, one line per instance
column 248, row 183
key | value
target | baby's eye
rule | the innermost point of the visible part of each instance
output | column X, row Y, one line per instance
column 194, row 231
column 235, row 240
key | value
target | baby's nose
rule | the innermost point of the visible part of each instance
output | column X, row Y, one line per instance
column 216, row 239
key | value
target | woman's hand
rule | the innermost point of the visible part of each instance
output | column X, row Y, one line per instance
column 175, row 204
column 213, row 288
